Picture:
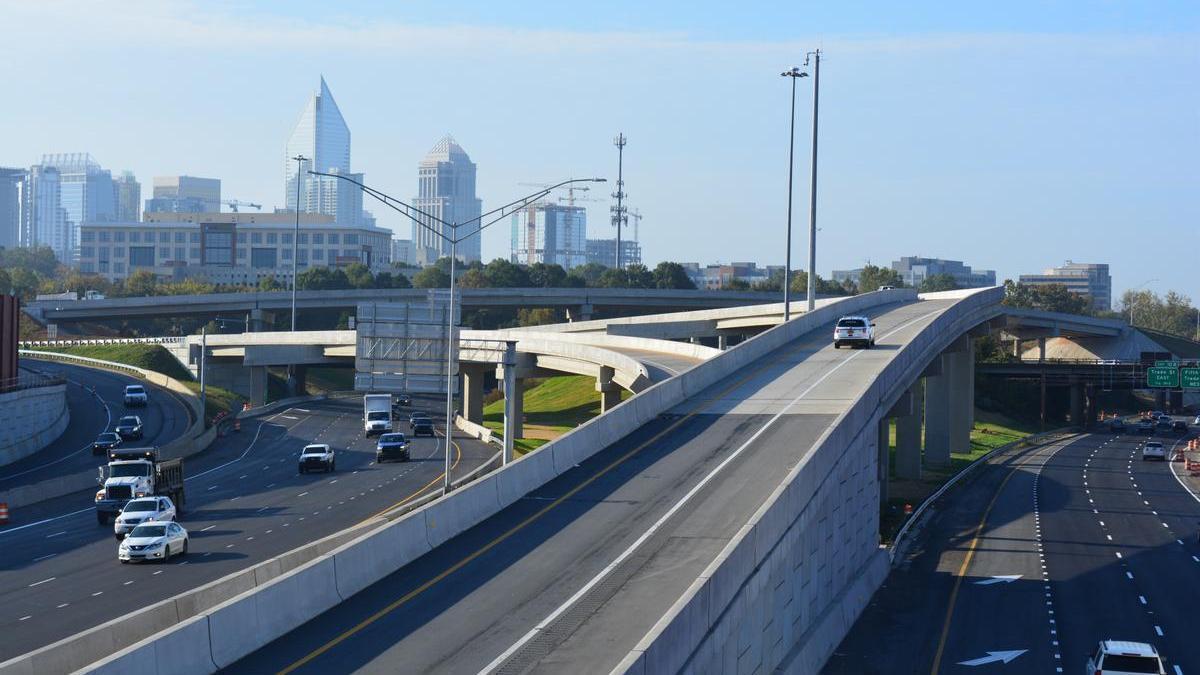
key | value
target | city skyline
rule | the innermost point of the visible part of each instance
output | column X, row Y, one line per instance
column 972, row 166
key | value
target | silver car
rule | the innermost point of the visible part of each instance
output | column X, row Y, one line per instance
column 153, row 541
column 142, row 510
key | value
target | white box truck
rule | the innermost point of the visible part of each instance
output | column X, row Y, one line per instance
column 377, row 414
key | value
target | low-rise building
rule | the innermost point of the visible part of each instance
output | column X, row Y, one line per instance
column 604, row 251
column 1088, row 279
column 915, row 269
column 721, row 275
column 228, row 248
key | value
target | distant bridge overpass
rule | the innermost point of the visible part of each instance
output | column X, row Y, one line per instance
column 579, row 303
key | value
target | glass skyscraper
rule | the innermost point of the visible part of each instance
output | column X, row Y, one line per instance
column 446, row 190
column 551, row 234
column 66, row 191
column 322, row 136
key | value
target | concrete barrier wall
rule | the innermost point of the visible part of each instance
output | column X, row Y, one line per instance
column 384, row 549
column 787, row 588
column 195, row 439
column 33, row 418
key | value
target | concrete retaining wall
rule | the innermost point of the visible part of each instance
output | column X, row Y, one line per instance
column 787, row 588
column 33, row 419
column 195, row 439
column 372, row 556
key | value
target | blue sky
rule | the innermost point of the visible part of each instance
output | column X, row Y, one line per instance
column 1011, row 135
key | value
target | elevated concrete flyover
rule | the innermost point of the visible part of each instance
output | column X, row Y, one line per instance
column 580, row 303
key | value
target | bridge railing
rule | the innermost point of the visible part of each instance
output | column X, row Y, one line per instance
column 29, row 381
column 30, row 344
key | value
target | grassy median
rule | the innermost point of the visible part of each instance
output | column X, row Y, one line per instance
column 552, row 407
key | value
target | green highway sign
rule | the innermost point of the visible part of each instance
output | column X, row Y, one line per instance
column 1166, row 364
column 1190, row 378
column 1162, row 377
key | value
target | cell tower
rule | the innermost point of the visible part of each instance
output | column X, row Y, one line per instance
column 619, row 217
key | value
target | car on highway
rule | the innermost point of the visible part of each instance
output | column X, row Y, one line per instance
column 401, row 400
column 391, row 447
column 105, row 442
column 1116, row 425
column 1196, row 421
column 1153, row 450
column 1179, row 426
column 153, row 540
column 136, row 396
column 886, row 288
column 1164, row 425
column 423, row 426
column 317, row 456
column 129, row 427
column 1120, row 657
column 412, row 419
column 141, row 510
column 1145, row 427
column 854, row 331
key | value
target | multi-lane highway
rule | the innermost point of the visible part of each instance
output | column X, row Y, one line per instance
column 245, row 502
column 96, row 401
column 570, row 577
column 1045, row 553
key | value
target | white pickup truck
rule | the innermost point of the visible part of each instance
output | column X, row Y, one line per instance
column 136, row 396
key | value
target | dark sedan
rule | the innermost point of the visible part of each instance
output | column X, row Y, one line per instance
column 1179, row 427
column 422, row 426
column 105, row 442
column 391, row 447
column 1145, row 427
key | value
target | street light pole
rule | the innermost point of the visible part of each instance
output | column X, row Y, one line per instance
column 794, row 74
column 300, row 159
column 812, row 213
column 427, row 221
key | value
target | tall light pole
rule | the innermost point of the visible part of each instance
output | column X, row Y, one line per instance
column 794, row 74
column 300, row 160
column 426, row 220
column 812, row 213
column 1133, row 299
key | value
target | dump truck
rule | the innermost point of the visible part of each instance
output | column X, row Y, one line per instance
column 133, row 473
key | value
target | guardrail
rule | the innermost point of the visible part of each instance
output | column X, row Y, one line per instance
column 215, row 634
column 27, row 344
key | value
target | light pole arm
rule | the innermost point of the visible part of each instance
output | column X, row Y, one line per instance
column 387, row 199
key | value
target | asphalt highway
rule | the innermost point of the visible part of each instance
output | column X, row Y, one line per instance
column 246, row 502
column 1045, row 553
column 92, row 412
column 569, row 578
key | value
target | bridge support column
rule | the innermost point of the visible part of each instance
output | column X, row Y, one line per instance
column 1089, row 406
column 514, row 400
column 962, row 394
column 299, row 380
column 937, row 416
column 610, row 392
column 883, row 446
column 1077, row 404
column 258, row 321
column 722, row 342
column 473, row 374
column 258, row 385
column 908, row 436
column 582, row 313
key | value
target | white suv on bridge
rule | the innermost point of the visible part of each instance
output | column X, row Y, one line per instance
column 854, row 330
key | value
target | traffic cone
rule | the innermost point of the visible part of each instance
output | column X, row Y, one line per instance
column 237, row 424
column 908, row 509
column 3, row 513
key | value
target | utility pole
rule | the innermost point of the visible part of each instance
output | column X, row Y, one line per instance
column 619, row 210
column 812, row 213
column 794, row 74
column 300, row 160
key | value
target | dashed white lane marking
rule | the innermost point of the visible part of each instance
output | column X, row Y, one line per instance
column 97, row 593
column 1142, row 599
column 1158, row 629
column 43, row 581
column 157, row 573
column 208, row 528
column 56, row 534
column 302, row 494
column 45, row 557
column 26, row 617
column 65, row 604
column 127, row 583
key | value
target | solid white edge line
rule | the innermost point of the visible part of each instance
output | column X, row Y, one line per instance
column 1179, row 480
column 499, row 660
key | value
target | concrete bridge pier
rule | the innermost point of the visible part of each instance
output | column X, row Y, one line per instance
column 722, row 341
column 259, row 321
column 1077, row 403
column 610, row 392
column 962, row 390
column 908, row 434
column 883, row 448
column 299, row 380
column 937, row 412
column 258, row 385
column 472, row 390
column 581, row 313
column 517, row 396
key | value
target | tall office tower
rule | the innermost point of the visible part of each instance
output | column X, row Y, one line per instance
column 85, row 195
column 43, row 220
column 128, row 195
column 12, row 184
column 551, row 234
column 322, row 137
column 446, row 190
column 185, row 194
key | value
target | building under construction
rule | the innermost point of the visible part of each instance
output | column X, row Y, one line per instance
column 550, row 233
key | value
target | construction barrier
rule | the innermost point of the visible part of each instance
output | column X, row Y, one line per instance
column 1193, row 467
column 3, row 513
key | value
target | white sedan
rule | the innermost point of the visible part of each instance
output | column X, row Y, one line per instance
column 153, row 541
column 142, row 510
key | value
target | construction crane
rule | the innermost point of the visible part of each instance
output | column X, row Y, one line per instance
column 531, row 226
column 637, row 221
column 233, row 204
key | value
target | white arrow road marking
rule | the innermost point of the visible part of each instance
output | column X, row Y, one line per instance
column 993, row 657
column 998, row 579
